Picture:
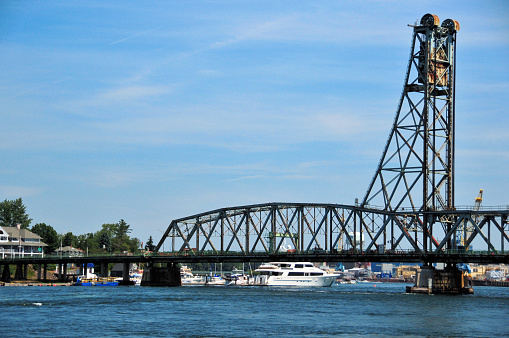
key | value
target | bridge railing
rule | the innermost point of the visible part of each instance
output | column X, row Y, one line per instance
column 187, row 253
column 446, row 256
column 318, row 253
column 57, row 256
column 482, row 208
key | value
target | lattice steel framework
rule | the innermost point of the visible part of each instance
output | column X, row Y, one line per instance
column 416, row 168
column 312, row 228
column 413, row 187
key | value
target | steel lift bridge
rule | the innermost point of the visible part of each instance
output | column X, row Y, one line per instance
column 408, row 213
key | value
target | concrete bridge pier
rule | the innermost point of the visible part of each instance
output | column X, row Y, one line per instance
column 62, row 272
column 126, row 280
column 104, row 270
column 45, row 272
column 42, row 272
column 65, row 272
column 161, row 276
column 60, row 268
column 448, row 281
column 20, row 272
column 6, row 273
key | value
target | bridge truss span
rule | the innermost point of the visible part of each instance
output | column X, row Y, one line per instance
column 413, row 184
column 334, row 229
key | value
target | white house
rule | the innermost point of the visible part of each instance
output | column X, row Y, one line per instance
column 17, row 242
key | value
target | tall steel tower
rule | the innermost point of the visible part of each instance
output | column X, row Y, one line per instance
column 416, row 170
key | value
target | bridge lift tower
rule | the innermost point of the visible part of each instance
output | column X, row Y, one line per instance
column 416, row 171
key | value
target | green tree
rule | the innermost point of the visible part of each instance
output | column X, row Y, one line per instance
column 69, row 240
column 105, row 241
column 134, row 244
column 122, row 229
column 49, row 236
column 88, row 242
column 14, row 212
column 114, row 237
column 150, row 244
column 109, row 228
column 121, row 240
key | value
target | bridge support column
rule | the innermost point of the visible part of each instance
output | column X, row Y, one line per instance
column 104, row 270
column 125, row 272
column 39, row 271
column 6, row 273
column 125, row 275
column 161, row 276
column 448, row 281
column 18, row 275
column 65, row 272
column 45, row 272
column 25, row 271
column 60, row 268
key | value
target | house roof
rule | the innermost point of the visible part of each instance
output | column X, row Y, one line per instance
column 24, row 234
column 69, row 249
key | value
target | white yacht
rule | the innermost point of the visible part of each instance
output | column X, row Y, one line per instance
column 187, row 277
column 292, row 274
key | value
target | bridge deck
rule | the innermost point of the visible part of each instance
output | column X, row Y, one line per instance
column 481, row 257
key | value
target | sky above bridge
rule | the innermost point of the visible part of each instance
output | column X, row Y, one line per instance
column 150, row 112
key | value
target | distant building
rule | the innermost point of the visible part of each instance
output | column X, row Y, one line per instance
column 69, row 251
column 17, row 242
column 490, row 271
column 407, row 271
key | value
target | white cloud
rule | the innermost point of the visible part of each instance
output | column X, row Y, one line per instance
column 329, row 26
column 13, row 191
column 134, row 36
column 130, row 93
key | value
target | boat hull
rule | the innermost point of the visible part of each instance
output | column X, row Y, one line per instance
column 107, row 281
column 319, row 281
column 292, row 274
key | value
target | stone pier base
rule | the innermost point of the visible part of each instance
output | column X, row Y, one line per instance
column 161, row 276
column 448, row 281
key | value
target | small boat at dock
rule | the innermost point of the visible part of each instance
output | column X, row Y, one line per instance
column 214, row 280
column 240, row 279
column 98, row 281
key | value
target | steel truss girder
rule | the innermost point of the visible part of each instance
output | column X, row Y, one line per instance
column 331, row 228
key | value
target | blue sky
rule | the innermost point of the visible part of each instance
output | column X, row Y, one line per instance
column 151, row 112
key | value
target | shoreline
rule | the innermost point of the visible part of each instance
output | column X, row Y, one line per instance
column 33, row 283
column 377, row 280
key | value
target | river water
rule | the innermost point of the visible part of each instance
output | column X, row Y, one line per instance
column 378, row 310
